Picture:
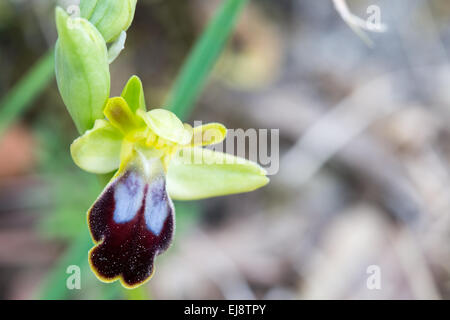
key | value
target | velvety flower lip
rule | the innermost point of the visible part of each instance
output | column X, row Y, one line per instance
column 131, row 222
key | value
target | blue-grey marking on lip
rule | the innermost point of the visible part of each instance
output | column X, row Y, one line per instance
column 156, row 206
column 128, row 196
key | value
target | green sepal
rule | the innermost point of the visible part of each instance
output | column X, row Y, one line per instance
column 197, row 173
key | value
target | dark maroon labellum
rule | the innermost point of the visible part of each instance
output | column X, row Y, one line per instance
column 131, row 222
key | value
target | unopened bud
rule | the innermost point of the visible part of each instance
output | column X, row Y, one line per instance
column 110, row 17
column 82, row 69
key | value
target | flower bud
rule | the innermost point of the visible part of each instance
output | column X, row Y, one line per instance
column 82, row 69
column 110, row 17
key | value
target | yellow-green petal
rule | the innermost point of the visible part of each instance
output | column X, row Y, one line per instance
column 98, row 150
column 120, row 115
column 207, row 134
column 196, row 173
column 167, row 125
column 133, row 93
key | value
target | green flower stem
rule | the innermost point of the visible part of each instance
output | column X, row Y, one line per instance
column 26, row 90
column 140, row 293
column 202, row 58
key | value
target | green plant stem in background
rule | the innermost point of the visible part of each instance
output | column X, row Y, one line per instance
column 26, row 90
column 197, row 67
column 139, row 293
column 187, row 87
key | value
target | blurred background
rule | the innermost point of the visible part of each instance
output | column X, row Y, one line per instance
column 364, row 176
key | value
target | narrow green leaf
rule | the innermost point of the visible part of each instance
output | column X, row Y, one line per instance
column 198, row 65
column 26, row 90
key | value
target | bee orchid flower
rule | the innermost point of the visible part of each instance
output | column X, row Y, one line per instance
column 155, row 158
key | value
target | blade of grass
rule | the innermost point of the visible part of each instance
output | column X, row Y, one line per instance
column 195, row 71
column 26, row 90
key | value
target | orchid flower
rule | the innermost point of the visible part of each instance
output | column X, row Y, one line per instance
column 152, row 155
column 156, row 158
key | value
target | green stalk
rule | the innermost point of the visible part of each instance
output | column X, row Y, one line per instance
column 202, row 58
